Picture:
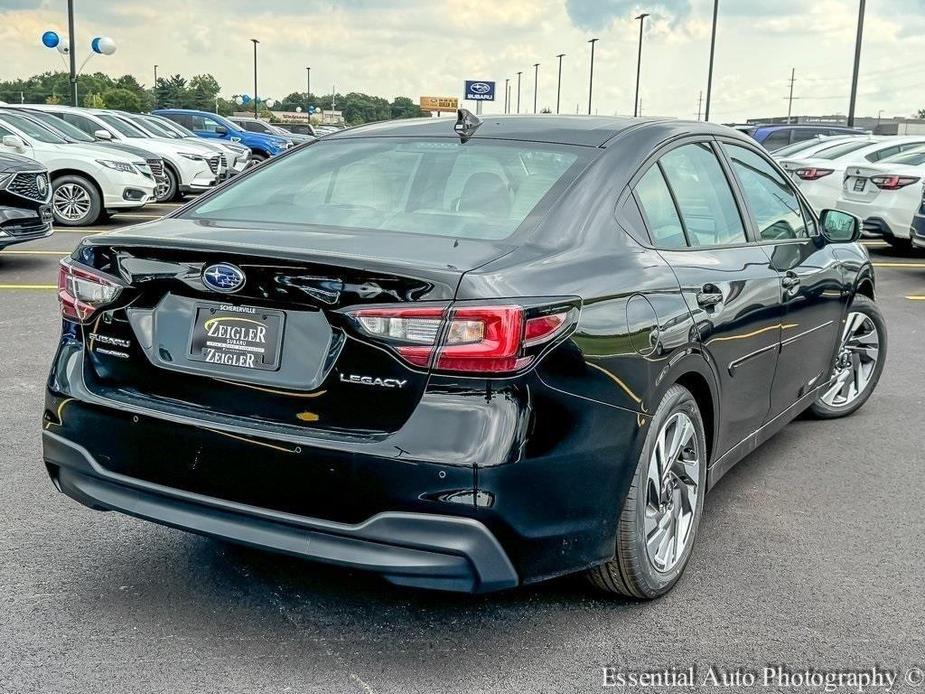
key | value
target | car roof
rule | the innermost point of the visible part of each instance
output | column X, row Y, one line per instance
column 589, row 131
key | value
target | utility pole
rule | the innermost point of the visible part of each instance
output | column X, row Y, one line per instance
column 255, row 76
column 642, row 19
column 70, row 51
column 857, row 63
column 308, row 84
column 793, row 78
column 559, row 83
column 507, row 94
column 591, row 75
column 155, row 85
column 536, row 79
column 519, row 73
column 706, row 113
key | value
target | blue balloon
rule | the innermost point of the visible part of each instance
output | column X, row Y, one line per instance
column 246, row 99
column 50, row 39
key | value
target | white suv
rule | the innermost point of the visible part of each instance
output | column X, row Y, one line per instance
column 86, row 180
column 189, row 167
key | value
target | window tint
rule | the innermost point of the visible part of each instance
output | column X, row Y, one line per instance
column 661, row 214
column 32, row 129
column 803, row 134
column 85, row 124
column 884, row 153
column 840, row 150
column 912, row 158
column 773, row 202
column 705, row 201
column 477, row 190
column 776, row 140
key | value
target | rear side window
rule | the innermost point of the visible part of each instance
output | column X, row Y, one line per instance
column 705, row 202
column 773, row 202
column 661, row 214
column 776, row 140
column 840, row 150
column 477, row 190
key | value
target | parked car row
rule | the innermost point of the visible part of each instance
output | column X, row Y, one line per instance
column 879, row 179
column 100, row 161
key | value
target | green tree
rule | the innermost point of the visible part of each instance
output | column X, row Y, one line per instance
column 122, row 99
column 202, row 91
column 94, row 100
column 171, row 92
column 403, row 107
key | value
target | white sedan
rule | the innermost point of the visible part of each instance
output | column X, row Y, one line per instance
column 820, row 176
column 886, row 195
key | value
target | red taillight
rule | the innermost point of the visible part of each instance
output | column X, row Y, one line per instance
column 893, row 182
column 81, row 292
column 471, row 339
column 811, row 173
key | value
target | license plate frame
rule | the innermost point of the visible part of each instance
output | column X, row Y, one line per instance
column 252, row 341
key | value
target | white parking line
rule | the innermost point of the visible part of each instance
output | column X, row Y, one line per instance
column 28, row 286
column 57, row 253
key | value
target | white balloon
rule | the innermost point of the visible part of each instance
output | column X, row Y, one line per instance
column 63, row 46
column 271, row 103
column 239, row 101
column 298, row 109
column 105, row 45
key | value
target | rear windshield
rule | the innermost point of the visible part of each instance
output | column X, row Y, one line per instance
column 836, row 151
column 477, row 190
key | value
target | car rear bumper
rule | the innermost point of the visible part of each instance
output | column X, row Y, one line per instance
column 917, row 231
column 412, row 549
column 887, row 221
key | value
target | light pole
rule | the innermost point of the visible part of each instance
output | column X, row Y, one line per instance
column 642, row 20
column 706, row 110
column 857, row 63
column 536, row 79
column 559, row 83
column 155, row 84
column 255, row 41
column 507, row 95
column 591, row 76
column 70, row 49
column 308, row 83
column 519, row 73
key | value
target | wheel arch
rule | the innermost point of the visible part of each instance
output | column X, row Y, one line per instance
column 865, row 286
column 58, row 173
column 694, row 373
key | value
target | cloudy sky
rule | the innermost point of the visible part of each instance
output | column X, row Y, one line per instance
column 415, row 47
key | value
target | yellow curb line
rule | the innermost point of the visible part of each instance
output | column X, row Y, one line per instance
column 900, row 265
column 916, row 298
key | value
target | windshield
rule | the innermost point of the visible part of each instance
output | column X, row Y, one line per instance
column 60, row 127
column 476, row 190
column 120, row 125
column 912, row 158
column 803, row 146
column 168, row 124
column 840, row 150
column 32, row 129
column 155, row 128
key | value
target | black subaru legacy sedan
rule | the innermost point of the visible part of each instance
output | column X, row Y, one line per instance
column 466, row 355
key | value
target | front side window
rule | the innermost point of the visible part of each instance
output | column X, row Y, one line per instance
column 774, row 204
column 478, row 190
column 205, row 124
column 33, row 129
column 777, row 139
column 705, row 201
column 121, row 126
column 78, row 121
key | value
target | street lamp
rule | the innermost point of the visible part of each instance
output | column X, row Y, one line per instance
column 155, row 85
column 642, row 20
column 518, row 90
column 591, row 76
column 857, row 63
column 308, row 83
column 255, row 41
column 507, row 95
column 559, row 83
column 706, row 112
column 536, row 79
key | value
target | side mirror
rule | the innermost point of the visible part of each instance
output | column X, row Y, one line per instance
column 102, row 134
column 839, row 226
column 14, row 142
column 221, row 130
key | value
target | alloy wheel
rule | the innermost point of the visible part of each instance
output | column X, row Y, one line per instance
column 71, row 202
column 856, row 361
column 672, row 492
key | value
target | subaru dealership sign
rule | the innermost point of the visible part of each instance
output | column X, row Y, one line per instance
column 478, row 90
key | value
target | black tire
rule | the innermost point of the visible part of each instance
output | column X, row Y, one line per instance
column 171, row 192
column 88, row 195
column 631, row 572
column 823, row 410
column 258, row 157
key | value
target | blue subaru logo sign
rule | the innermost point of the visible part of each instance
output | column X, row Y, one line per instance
column 223, row 277
column 478, row 90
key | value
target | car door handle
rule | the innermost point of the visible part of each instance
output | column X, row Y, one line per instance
column 710, row 295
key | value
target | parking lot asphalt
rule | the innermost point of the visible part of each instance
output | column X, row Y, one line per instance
column 811, row 554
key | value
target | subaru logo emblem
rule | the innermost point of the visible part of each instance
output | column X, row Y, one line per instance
column 480, row 88
column 41, row 183
column 223, row 277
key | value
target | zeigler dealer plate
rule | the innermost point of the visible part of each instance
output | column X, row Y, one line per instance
column 239, row 336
